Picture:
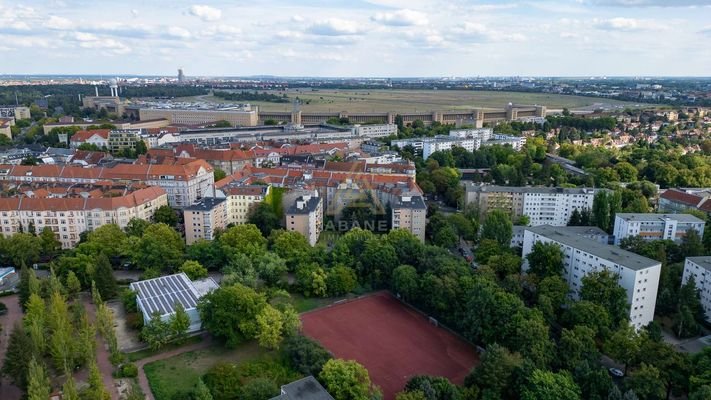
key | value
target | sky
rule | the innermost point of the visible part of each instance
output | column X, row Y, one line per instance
column 363, row 38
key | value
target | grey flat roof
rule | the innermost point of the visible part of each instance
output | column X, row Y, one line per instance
column 585, row 230
column 311, row 206
column 160, row 294
column 658, row 217
column 704, row 262
column 471, row 187
column 608, row 252
column 304, row 389
column 206, row 204
column 416, row 202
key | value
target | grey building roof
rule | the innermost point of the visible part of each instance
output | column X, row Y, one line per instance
column 703, row 262
column 578, row 230
column 160, row 294
column 206, row 204
column 471, row 187
column 304, row 389
column 310, row 206
column 415, row 202
column 651, row 217
column 608, row 252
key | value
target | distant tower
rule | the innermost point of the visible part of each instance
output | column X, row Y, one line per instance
column 113, row 85
column 96, row 90
column 181, row 75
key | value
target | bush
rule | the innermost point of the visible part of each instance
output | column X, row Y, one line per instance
column 259, row 389
column 128, row 298
column 134, row 321
column 305, row 355
column 129, row 370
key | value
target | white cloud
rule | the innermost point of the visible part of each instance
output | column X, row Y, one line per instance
column 627, row 24
column 477, row 32
column 428, row 38
column 114, row 46
column 404, row 17
column 206, row 13
column 650, row 3
column 178, row 32
column 297, row 18
column 134, row 12
column 335, row 27
column 58, row 23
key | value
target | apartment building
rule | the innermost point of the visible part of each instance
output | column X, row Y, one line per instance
column 15, row 112
column 590, row 232
column 204, row 218
column 242, row 199
column 683, row 200
column 410, row 213
column 183, row 183
column 468, row 139
column 638, row 275
column 651, row 226
column 200, row 117
column 375, row 130
column 97, row 137
column 124, row 139
column 542, row 205
column 700, row 269
column 69, row 217
column 306, row 217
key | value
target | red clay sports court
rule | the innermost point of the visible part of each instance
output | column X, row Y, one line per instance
column 391, row 340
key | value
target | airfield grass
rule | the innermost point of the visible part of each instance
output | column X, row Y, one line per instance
column 335, row 100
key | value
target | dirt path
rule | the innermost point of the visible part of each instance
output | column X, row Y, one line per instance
column 8, row 391
column 102, row 354
column 143, row 380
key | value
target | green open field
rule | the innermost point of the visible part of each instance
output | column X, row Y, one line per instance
column 421, row 100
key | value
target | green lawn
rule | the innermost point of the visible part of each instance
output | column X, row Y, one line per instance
column 177, row 375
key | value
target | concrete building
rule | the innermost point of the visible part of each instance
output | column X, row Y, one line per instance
column 590, row 232
column 700, row 269
column 125, row 139
column 638, row 275
column 112, row 104
column 682, row 200
column 306, row 217
column 304, row 389
column 97, row 137
column 468, row 139
column 200, row 116
column 410, row 213
column 6, row 127
column 374, row 130
column 542, row 205
column 160, row 295
column 242, row 200
column 15, row 112
column 204, row 218
column 69, row 217
column 183, row 183
column 650, row 226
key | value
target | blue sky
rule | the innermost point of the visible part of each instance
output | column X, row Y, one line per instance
column 357, row 38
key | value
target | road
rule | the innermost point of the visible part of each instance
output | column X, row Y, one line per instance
column 9, row 391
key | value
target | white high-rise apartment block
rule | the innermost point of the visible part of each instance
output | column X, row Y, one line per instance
column 650, row 226
column 638, row 275
column 542, row 205
column 700, row 269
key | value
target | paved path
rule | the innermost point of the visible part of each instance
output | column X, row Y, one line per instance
column 8, row 391
column 143, row 380
column 102, row 354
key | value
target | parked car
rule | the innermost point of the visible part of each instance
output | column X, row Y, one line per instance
column 616, row 372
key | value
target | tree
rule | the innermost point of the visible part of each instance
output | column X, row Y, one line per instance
column 193, row 269
column 243, row 239
column 50, row 244
column 69, row 389
column 406, row 281
column 623, row 345
column 24, row 285
column 603, row 288
column 646, row 383
column 136, row 227
column 601, row 210
column 436, row 387
column 159, row 247
column 23, row 248
column 219, row 174
column 264, row 218
column 445, row 237
column 305, row 355
column 497, row 226
column 269, row 327
column 38, row 384
column 340, row 280
column 179, row 322
column 17, row 356
column 104, row 278
column 691, row 244
column 96, row 389
column 589, row 314
column 346, row 380
column 703, row 393
column 229, row 313
column 72, row 284
column 416, row 395
column 259, row 389
column 546, row 385
column 576, row 346
column 292, row 247
column 545, row 260
column 201, row 392
column 270, row 268
column 156, row 332
column 594, row 380
column 165, row 215
column 495, row 375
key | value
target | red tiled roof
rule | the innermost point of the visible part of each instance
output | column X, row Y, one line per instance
column 681, row 197
column 83, row 136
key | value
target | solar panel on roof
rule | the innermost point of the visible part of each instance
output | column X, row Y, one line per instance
column 162, row 293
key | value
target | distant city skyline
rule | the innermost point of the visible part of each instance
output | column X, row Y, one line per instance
column 359, row 38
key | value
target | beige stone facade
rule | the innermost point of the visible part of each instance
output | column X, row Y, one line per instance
column 204, row 218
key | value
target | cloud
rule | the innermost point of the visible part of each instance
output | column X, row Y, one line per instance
column 206, row 13
column 476, row 32
column 297, row 18
column 58, row 23
column 427, row 38
column 627, row 24
column 114, row 46
column 492, row 7
column 649, row 3
column 335, row 27
column 404, row 17
column 178, row 33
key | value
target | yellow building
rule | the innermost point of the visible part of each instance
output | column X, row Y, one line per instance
column 201, row 117
column 203, row 218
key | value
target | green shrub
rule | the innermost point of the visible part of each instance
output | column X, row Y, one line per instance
column 129, row 370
